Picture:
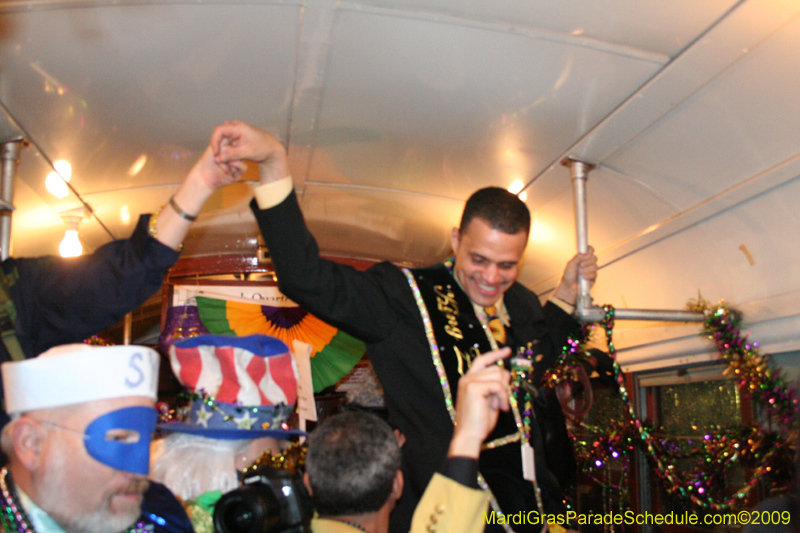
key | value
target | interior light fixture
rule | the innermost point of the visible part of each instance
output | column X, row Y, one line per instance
column 56, row 186
column 137, row 165
column 71, row 245
column 56, row 181
column 63, row 168
column 515, row 188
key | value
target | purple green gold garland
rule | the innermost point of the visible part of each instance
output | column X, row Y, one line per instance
column 767, row 453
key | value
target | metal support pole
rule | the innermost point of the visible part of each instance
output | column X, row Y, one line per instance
column 127, row 329
column 579, row 172
column 661, row 315
column 585, row 310
column 9, row 154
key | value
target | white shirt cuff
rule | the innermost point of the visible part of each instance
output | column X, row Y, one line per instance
column 271, row 194
column 568, row 308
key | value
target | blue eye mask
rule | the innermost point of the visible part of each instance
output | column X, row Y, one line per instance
column 121, row 439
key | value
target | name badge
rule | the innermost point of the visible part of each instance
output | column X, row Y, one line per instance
column 528, row 465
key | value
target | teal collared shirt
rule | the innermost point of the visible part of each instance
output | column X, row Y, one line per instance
column 41, row 521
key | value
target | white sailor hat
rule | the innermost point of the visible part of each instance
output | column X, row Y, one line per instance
column 78, row 373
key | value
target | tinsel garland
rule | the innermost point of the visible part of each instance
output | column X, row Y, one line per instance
column 766, row 453
column 292, row 459
column 753, row 372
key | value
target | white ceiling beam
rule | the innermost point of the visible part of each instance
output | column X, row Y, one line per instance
column 318, row 19
column 725, row 43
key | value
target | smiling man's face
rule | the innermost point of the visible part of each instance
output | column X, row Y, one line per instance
column 486, row 260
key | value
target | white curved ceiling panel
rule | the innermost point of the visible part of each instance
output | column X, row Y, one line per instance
column 619, row 205
column 617, row 208
column 103, row 85
column 394, row 112
column 666, row 276
column 662, row 27
column 757, row 241
column 750, row 114
column 375, row 224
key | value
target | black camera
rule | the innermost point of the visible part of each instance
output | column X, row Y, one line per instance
column 270, row 501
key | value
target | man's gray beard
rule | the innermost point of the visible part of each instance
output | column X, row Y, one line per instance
column 56, row 502
column 97, row 522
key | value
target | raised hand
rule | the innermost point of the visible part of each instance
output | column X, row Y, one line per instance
column 584, row 264
column 238, row 141
column 482, row 393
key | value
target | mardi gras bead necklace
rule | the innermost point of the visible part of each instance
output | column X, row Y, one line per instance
column 13, row 516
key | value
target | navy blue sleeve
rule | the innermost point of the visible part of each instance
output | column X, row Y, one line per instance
column 60, row 301
column 163, row 511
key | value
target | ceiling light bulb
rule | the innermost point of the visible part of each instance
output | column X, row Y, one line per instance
column 71, row 245
column 63, row 168
column 56, row 186
column 516, row 186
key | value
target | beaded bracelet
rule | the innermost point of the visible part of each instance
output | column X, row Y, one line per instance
column 153, row 230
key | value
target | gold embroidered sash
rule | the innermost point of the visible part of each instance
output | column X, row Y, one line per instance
column 455, row 338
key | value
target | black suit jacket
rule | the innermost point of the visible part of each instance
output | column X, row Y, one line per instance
column 378, row 307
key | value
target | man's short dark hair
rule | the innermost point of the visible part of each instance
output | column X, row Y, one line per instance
column 351, row 464
column 502, row 210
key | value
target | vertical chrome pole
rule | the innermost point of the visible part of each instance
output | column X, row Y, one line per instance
column 579, row 172
column 127, row 329
column 9, row 153
column 585, row 310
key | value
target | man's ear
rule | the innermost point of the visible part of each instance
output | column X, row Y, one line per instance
column 307, row 483
column 401, row 438
column 28, row 438
column 455, row 239
column 397, row 486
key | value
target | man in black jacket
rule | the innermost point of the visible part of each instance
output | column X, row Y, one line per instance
column 423, row 327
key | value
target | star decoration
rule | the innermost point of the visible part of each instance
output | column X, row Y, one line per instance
column 203, row 416
column 245, row 422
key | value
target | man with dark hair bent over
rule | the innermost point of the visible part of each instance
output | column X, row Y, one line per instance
column 424, row 326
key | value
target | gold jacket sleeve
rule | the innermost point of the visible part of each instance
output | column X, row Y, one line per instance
column 450, row 507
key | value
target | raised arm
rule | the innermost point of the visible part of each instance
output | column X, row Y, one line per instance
column 205, row 177
column 59, row 301
column 355, row 301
